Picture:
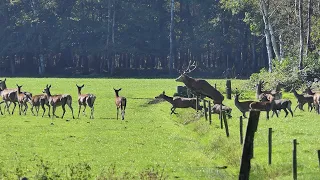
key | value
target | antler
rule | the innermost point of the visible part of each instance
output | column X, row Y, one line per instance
column 188, row 70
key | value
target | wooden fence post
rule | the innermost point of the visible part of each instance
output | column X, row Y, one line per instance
column 228, row 89
column 319, row 157
column 210, row 118
column 245, row 164
column 225, row 123
column 197, row 103
column 205, row 109
column 241, row 130
column 294, row 159
column 270, row 145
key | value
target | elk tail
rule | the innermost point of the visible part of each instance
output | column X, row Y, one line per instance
column 91, row 99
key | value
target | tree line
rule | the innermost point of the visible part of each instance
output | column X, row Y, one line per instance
column 155, row 37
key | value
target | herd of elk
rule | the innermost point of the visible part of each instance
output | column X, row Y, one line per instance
column 180, row 102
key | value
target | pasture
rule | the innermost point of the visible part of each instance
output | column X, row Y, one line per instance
column 150, row 143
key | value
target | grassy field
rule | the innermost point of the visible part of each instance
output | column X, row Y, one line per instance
column 150, row 143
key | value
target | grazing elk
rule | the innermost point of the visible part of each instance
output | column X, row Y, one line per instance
column 39, row 100
column 243, row 106
column 180, row 102
column 263, row 95
column 215, row 109
column 316, row 98
column 84, row 100
column 121, row 102
column 303, row 99
column 22, row 98
column 58, row 100
column 264, row 106
column 200, row 86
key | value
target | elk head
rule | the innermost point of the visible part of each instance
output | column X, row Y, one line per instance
column 183, row 74
column 47, row 89
column 161, row 95
column 79, row 88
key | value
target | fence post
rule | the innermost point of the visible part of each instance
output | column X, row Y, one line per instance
column 270, row 145
column 197, row 103
column 225, row 123
column 245, row 164
column 294, row 159
column 228, row 89
column 319, row 157
column 205, row 109
column 210, row 118
column 241, row 130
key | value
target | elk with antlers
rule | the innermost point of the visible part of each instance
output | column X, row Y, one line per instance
column 22, row 98
column 179, row 102
column 262, row 95
column 121, row 102
column 200, row 86
column 58, row 100
column 84, row 100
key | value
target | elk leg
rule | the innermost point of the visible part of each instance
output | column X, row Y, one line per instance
column 244, row 114
column 84, row 110
column 32, row 109
column 79, row 111
column 25, row 110
column 117, row 112
column 91, row 115
column 54, row 112
column 267, row 115
column 37, row 109
column 14, row 107
column 69, row 104
column 122, row 114
column 310, row 106
column 172, row 110
column 285, row 110
column 44, row 110
column 48, row 110
column 64, row 111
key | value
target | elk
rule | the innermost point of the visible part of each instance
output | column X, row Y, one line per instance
column 316, row 98
column 179, row 102
column 263, row 95
column 121, row 102
column 8, row 95
column 243, row 106
column 22, row 98
column 58, row 100
column 303, row 99
column 264, row 106
column 215, row 109
column 39, row 100
column 280, row 104
column 84, row 100
column 200, row 86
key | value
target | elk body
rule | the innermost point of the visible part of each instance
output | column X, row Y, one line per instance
column 284, row 104
column 215, row 109
column 58, row 100
column 263, row 95
column 264, row 106
column 8, row 95
column 39, row 100
column 84, row 100
column 22, row 98
column 180, row 102
column 316, row 99
column 303, row 99
column 121, row 103
column 243, row 106
column 200, row 86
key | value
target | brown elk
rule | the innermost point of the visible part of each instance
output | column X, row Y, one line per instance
column 84, row 100
column 58, row 100
column 316, row 98
column 264, row 106
column 22, row 98
column 179, row 102
column 121, row 102
column 263, row 95
column 200, row 86
column 243, row 106
column 303, row 99
column 8, row 95
column 39, row 100
column 215, row 109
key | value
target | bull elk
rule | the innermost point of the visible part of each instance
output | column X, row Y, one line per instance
column 263, row 95
column 22, row 98
column 200, row 86
column 179, row 102
column 121, row 103
column 58, row 100
column 84, row 100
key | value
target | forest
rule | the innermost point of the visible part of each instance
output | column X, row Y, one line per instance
column 150, row 38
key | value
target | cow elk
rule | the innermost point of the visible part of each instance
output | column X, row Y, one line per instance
column 8, row 95
column 316, row 98
column 303, row 99
column 121, row 103
column 84, row 100
column 200, row 86
column 58, row 100
column 39, row 100
column 22, row 98
column 243, row 106
column 180, row 102
column 280, row 104
column 264, row 106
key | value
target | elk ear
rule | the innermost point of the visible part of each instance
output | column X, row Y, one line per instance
column 49, row 86
column 120, row 89
column 82, row 86
column 114, row 89
column 5, row 79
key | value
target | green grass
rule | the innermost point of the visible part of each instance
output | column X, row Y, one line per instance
column 149, row 143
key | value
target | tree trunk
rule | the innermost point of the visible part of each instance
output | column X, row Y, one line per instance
column 264, row 12
column 171, row 57
column 301, row 36
column 309, row 27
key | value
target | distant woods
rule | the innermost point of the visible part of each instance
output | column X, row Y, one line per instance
column 131, row 38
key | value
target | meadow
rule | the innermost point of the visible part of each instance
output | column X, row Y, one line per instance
column 150, row 143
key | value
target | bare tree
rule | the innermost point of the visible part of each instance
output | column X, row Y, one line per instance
column 171, row 38
column 301, row 35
